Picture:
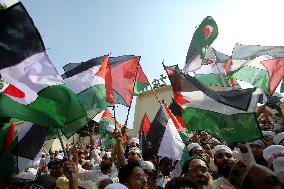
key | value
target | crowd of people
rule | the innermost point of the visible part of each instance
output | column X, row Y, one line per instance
column 212, row 164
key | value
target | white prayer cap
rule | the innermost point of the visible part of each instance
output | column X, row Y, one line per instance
column 278, row 138
column 270, row 134
column 135, row 149
column 26, row 175
column 107, row 154
column 147, row 165
column 134, row 140
column 116, row 186
column 272, row 152
column 221, row 147
column 60, row 157
column 278, row 165
column 193, row 145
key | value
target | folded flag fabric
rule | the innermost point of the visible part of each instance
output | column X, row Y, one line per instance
column 213, row 73
column 261, row 66
column 144, row 130
column 228, row 115
column 106, row 128
column 36, row 92
column 123, row 73
column 92, row 82
column 30, row 141
column 202, row 38
column 171, row 143
column 141, row 81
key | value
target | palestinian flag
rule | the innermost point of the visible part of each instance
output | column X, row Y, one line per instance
column 33, row 90
column 261, row 66
column 213, row 73
column 92, row 83
column 30, row 141
column 202, row 38
column 144, row 130
column 171, row 143
column 228, row 115
column 123, row 72
column 159, row 125
column 141, row 81
column 176, row 110
column 106, row 128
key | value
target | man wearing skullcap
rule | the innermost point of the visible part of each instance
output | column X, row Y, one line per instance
column 268, row 137
column 257, row 147
column 247, row 175
column 165, row 168
column 224, row 160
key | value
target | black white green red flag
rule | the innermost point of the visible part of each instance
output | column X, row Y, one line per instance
column 92, row 82
column 33, row 90
column 261, row 66
column 228, row 115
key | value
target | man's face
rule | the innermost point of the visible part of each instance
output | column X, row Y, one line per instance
column 166, row 166
column 56, row 170
column 224, row 160
column 268, row 140
column 138, row 179
column 260, row 177
column 198, row 173
column 257, row 150
column 207, row 149
column 197, row 151
column 106, row 163
column 81, row 157
column 133, row 156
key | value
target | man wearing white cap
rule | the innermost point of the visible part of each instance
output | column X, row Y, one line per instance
column 225, row 161
column 279, row 139
column 268, row 137
column 106, row 171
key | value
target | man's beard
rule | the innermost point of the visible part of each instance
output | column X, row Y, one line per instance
column 225, row 170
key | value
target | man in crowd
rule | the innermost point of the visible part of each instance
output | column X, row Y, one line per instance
column 225, row 161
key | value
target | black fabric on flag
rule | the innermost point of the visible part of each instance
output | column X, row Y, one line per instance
column 19, row 38
column 239, row 99
column 157, row 129
column 29, row 146
column 114, row 61
column 175, row 108
column 82, row 67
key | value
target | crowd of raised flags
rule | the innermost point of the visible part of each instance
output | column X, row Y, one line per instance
column 200, row 127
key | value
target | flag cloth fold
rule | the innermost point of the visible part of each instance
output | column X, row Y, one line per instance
column 228, row 115
column 171, row 143
column 202, row 38
column 123, row 72
column 144, row 130
column 30, row 141
column 261, row 66
column 106, row 127
column 36, row 92
column 157, row 129
column 92, row 82
column 213, row 73
column 141, row 81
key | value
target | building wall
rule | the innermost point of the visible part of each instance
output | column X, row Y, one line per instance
column 147, row 103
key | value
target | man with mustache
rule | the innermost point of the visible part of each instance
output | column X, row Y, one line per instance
column 225, row 161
